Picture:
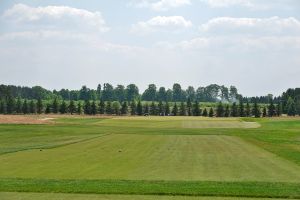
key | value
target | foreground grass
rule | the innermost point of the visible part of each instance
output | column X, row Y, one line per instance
column 184, row 188
column 59, row 196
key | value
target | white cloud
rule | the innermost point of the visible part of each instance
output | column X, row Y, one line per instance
column 55, row 16
column 252, row 26
column 161, row 5
column 161, row 23
column 227, row 3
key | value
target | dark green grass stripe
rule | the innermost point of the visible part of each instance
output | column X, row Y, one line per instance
column 188, row 188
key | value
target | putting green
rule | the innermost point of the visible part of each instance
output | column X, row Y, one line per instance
column 152, row 157
column 53, row 196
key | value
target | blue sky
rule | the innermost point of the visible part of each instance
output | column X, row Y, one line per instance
column 252, row 44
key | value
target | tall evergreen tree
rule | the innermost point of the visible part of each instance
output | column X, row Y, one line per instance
column 87, row 107
column 211, row 112
column 79, row 108
column 32, row 107
column 55, row 106
column 72, row 107
column 234, row 110
column 189, row 107
column 256, row 110
column 182, row 109
column 94, row 108
column 133, row 108
column 63, row 107
column 264, row 112
column 19, row 106
column 139, row 108
column 2, row 106
column 146, row 109
column 220, row 110
column 161, row 109
column 248, row 110
column 167, row 109
column 271, row 108
column 39, row 106
column 124, row 109
column 25, row 108
column 279, row 109
column 291, row 107
column 241, row 108
column 10, row 105
column 48, row 108
column 101, row 106
column 205, row 113
column 227, row 111
column 196, row 109
column 153, row 109
column 108, row 108
column 175, row 110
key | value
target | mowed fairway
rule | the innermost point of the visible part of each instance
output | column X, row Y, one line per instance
column 145, row 155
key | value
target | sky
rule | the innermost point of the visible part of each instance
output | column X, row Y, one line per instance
column 251, row 44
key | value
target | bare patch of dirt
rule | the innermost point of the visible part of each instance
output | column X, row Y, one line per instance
column 25, row 119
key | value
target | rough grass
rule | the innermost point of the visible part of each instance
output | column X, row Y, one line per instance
column 182, row 188
column 55, row 196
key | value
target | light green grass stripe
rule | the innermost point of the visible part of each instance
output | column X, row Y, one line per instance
column 183, row 188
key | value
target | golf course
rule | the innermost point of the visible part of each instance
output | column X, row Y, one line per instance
column 140, row 158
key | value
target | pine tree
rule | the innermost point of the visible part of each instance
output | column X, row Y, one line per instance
column 55, row 106
column 39, row 106
column 108, row 108
column 124, row 109
column 32, row 107
column 161, row 109
column 248, row 110
column 241, row 108
column 211, row 112
column 175, row 110
column 205, row 114
column 291, row 107
column 264, row 112
column 63, row 107
column 72, row 107
column 271, row 108
column 93, row 108
column 19, row 106
column 189, row 107
column 182, row 109
column 116, row 107
column 10, row 105
column 48, row 109
column 102, row 107
column 133, row 108
column 220, row 110
column 279, row 109
column 146, row 109
column 25, row 108
column 196, row 109
column 234, row 110
column 256, row 110
column 139, row 108
column 227, row 111
column 167, row 109
column 2, row 106
column 153, row 109
column 79, row 108
column 87, row 107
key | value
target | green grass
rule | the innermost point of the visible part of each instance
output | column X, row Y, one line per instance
column 55, row 196
column 153, row 155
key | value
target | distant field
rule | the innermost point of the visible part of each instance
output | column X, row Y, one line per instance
column 73, row 154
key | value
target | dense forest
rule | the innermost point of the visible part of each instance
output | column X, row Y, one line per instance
column 121, row 100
